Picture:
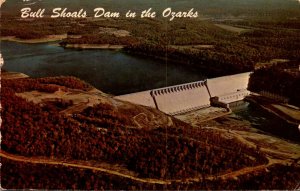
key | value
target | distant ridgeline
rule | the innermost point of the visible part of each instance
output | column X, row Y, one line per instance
column 183, row 98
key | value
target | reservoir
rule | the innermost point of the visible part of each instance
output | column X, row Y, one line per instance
column 113, row 72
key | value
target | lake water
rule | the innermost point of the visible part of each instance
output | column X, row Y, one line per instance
column 113, row 72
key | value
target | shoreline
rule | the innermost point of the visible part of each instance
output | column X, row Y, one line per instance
column 93, row 46
column 49, row 38
column 54, row 38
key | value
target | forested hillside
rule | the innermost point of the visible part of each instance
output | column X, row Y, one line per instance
column 101, row 133
column 113, row 134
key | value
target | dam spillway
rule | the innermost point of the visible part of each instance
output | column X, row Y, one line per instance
column 187, row 97
column 181, row 98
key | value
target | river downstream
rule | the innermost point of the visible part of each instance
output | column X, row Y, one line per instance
column 264, row 121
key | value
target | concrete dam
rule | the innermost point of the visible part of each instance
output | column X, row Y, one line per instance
column 188, row 97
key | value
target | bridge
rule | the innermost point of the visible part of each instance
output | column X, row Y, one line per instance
column 188, row 97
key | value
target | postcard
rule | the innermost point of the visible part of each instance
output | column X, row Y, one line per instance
column 150, row 95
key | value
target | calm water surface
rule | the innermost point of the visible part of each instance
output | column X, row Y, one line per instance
column 113, row 72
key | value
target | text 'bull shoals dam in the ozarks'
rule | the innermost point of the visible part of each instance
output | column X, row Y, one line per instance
column 101, row 12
